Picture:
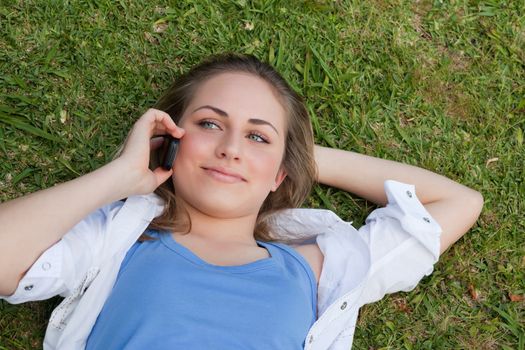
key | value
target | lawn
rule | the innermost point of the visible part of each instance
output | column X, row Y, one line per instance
column 436, row 84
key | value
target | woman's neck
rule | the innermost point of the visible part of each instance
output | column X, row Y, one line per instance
column 234, row 231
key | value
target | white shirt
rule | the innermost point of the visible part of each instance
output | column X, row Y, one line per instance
column 396, row 247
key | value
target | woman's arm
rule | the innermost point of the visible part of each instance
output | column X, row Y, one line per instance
column 31, row 224
column 454, row 206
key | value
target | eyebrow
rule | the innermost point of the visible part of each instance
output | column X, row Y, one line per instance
column 222, row 113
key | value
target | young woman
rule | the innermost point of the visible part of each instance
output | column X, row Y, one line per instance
column 217, row 257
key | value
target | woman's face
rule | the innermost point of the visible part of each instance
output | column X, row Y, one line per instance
column 230, row 156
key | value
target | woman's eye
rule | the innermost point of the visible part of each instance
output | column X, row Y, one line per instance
column 257, row 138
column 206, row 124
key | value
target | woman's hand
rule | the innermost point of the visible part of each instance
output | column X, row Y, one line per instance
column 55, row 210
column 135, row 156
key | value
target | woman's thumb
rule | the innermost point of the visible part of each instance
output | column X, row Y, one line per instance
column 162, row 175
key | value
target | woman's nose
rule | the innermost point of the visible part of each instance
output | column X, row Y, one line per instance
column 229, row 147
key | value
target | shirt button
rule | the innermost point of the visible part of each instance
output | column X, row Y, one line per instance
column 343, row 305
column 426, row 219
column 28, row 287
column 46, row 266
column 310, row 341
column 409, row 194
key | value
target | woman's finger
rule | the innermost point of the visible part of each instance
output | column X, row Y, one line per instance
column 162, row 175
column 139, row 142
column 160, row 132
column 162, row 123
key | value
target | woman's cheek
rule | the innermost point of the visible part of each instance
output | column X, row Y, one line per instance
column 266, row 163
column 194, row 143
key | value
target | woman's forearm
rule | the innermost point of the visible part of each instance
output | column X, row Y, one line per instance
column 454, row 206
column 32, row 223
column 365, row 176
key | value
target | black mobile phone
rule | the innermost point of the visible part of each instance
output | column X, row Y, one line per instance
column 169, row 151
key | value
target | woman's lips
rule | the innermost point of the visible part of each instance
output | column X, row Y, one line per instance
column 224, row 175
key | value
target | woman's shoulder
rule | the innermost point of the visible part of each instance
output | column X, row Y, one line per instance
column 313, row 255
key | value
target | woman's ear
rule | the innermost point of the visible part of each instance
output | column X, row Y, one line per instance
column 279, row 178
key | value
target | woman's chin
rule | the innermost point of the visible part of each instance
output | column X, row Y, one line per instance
column 218, row 203
column 220, row 206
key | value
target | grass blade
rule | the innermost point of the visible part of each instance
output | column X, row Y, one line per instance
column 17, row 123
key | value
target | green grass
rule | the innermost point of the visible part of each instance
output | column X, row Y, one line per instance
column 436, row 84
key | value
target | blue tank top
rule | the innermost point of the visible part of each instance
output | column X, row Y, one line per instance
column 166, row 297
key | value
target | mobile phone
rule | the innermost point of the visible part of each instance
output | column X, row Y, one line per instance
column 169, row 151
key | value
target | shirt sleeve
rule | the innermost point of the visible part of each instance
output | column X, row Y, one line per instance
column 403, row 243
column 61, row 267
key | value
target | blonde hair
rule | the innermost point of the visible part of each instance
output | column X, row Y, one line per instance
column 298, row 159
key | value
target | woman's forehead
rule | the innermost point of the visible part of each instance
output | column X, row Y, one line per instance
column 242, row 95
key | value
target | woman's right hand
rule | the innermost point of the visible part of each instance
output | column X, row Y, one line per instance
column 135, row 155
column 55, row 210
